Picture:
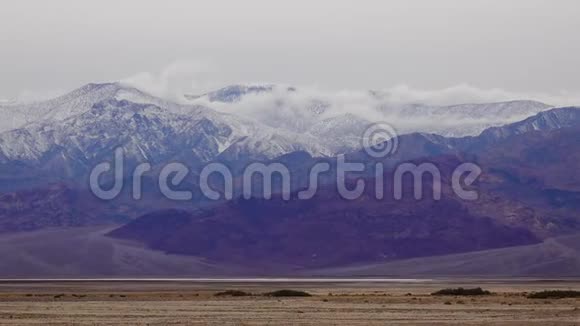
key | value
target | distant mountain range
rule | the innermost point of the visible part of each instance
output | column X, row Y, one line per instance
column 294, row 110
column 64, row 137
column 529, row 189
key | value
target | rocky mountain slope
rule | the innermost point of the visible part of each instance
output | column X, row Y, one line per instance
column 555, row 257
column 523, row 199
column 529, row 188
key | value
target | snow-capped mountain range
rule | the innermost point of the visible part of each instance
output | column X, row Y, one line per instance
column 250, row 122
column 147, row 132
column 308, row 111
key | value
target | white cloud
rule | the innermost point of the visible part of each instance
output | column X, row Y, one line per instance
column 464, row 93
column 292, row 109
column 175, row 80
column 363, row 103
column 198, row 77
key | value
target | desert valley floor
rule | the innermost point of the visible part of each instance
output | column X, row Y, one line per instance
column 346, row 302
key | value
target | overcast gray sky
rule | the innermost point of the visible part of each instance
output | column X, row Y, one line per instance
column 515, row 45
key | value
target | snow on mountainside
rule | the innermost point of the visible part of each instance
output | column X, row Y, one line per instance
column 303, row 111
column 463, row 119
column 147, row 133
column 504, row 110
column 75, row 102
column 249, row 122
column 234, row 93
column 92, row 120
column 552, row 119
column 78, row 101
column 140, row 128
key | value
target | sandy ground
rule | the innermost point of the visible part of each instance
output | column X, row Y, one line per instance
column 352, row 303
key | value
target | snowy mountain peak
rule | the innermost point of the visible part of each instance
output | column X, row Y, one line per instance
column 234, row 93
column 75, row 102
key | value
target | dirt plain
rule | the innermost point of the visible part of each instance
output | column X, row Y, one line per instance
column 345, row 302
